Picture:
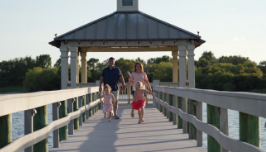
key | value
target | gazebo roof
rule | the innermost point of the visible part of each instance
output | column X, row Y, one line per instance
column 127, row 26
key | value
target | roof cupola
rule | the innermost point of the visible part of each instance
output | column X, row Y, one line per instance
column 127, row 5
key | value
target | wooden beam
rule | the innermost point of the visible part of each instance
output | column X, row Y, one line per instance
column 140, row 49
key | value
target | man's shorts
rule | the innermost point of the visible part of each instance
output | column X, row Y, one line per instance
column 116, row 95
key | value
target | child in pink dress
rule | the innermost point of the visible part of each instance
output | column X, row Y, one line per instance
column 139, row 100
column 107, row 103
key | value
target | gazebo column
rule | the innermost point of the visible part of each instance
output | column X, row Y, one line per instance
column 64, row 66
column 62, row 110
column 84, row 67
column 182, row 79
column 77, row 69
column 73, row 72
column 191, row 69
column 175, row 66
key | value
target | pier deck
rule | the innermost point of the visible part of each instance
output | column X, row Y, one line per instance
column 125, row 135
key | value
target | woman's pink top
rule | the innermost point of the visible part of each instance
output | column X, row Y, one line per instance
column 135, row 77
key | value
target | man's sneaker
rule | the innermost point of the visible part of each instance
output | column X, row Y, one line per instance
column 116, row 117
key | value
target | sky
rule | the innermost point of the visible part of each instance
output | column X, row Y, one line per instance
column 230, row 27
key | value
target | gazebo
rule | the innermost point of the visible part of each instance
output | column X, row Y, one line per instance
column 127, row 30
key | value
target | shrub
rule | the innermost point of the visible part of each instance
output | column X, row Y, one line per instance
column 39, row 79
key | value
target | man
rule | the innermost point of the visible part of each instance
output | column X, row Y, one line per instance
column 111, row 76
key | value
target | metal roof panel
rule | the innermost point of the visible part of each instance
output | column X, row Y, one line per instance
column 127, row 26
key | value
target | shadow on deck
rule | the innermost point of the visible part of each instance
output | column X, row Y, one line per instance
column 125, row 135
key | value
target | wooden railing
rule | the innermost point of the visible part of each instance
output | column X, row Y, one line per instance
column 76, row 105
column 123, row 96
column 171, row 84
column 183, row 106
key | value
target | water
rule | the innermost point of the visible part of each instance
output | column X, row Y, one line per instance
column 234, row 127
column 18, row 126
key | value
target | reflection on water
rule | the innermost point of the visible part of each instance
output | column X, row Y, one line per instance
column 18, row 126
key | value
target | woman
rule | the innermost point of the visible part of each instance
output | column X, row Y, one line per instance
column 138, row 74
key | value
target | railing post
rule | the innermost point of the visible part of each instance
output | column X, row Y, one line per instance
column 213, row 118
column 192, row 110
column 28, row 125
column 40, row 121
column 175, row 116
column 5, row 130
column 184, row 108
column 87, row 103
column 84, row 104
column 90, row 100
column 179, row 105
column 63, row 133
column 167, row 101
column 170, row 100
column 71, row 123
column 199, row 116
column 224, row 124
column 163, row 99
column 56, row 137
column 249, row 129
column 93, row 99
column 75, row 108
column 80, row 105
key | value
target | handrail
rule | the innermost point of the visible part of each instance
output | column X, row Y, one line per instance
column 37, row 136
column 21, row 102
column 250, row 103
column 225, row 141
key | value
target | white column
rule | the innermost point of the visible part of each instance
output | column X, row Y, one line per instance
column 64, row 66
column 77, row 74
column 73, row 51
column 182, row 65
column 191, row 69
column 175, row 66
column 182, row 79
column 83, row 67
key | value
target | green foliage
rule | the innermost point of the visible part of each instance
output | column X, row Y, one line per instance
column 12, row 72
column 208, row 55
column 12, row 89
column 233, row 73
column 162, row 71
column 43, row 61
column 58, row 63
column 235, row 60
column 159, row 60
column 40, row 79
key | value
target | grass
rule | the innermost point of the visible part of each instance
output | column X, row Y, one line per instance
column 12, row 89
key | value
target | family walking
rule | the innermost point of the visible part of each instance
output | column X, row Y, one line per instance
column 111, row 76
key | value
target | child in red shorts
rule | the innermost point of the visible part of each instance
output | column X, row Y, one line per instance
column 139, row 100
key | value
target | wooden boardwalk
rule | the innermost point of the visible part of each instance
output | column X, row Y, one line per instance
column 125, row 135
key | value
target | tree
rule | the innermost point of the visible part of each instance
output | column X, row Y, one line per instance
column 203, row 63
column 208, row 55
column 58, row 63
column 159, row 60
column 43, row 61
column 91, row 63
column 235, row 60
column 42, row 79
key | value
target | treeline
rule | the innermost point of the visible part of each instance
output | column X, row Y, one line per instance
column 227, row 73
column 12, row 72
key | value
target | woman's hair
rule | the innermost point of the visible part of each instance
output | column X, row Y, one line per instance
column 140, row 83
column 108, row 87
column 141, row 66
